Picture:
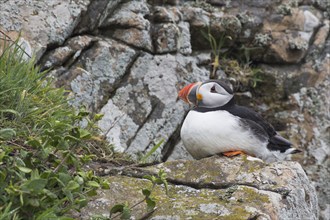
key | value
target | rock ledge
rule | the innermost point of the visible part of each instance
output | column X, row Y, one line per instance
column 216, row 187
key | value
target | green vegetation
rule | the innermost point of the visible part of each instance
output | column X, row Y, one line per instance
column 238, row 67
column 246, row 76
column 239, row 213
column 123, row 210
column 216, row 47
column 151, row 151
column 252, row 196
column 42, row 147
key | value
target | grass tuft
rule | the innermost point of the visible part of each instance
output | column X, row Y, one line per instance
column 42, row 147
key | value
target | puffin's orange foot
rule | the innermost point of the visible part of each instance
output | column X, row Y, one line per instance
column 232, row 153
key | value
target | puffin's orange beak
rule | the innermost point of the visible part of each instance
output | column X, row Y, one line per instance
column 184, row 93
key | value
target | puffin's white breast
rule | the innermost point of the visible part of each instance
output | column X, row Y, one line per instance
column 214, row 132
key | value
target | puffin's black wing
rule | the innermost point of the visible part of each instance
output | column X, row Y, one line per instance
column 278, row 142
column 244, row 113
column 257, row 130
column 260, row 127
column 247, row 113
column 256, row 123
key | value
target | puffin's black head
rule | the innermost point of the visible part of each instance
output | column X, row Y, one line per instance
column 209, row 94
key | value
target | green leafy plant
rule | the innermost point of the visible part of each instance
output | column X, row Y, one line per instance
column 245, row 75
column 216, row 49
column 255, row 77
column 125, row 210
column 42, row 147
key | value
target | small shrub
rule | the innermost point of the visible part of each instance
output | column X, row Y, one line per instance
column 42, row 147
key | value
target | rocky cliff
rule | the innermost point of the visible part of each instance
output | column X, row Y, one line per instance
column 213, row 188
column 127, row 60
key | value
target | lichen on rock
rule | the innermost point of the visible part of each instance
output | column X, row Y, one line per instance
column 215, row 187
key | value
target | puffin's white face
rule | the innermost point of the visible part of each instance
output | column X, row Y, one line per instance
column 210, row 94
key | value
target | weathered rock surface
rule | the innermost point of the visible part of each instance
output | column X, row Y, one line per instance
column 309, row 127
column 306, row 115
column 128, row 24
column 41, row 23
column 214, row 188
column 128, row 59
column 147, row 107
column 69, row 52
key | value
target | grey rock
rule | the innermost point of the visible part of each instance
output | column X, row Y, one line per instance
column 308, row 118
column 198, row 20
column 130, row 24
column 169, row 2
column 311, row 21
column 228, row 24
column 71, row 50
column 41, row 23
column 130, row 14
column 23, row 46
column 225, row 187
column 197, row 17
column 95, row 14
column 149, row 99
column 313, row 135
column 117, row 125
column 26, row 48
column 137, row 38
column 179, row 152
column 252, row 22
column 319, row 43
column 291, row 36
column 165, row 15
column 168, row 37
column 97, row 72
column 184, row 38
column 250, row 3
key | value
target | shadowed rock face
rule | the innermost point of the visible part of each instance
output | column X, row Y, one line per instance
column 216, row 187
column 128, row 59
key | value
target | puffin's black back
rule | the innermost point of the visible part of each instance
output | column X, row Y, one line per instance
column 276, row 142
column 248, row 117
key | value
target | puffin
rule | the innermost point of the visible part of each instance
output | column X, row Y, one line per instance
column 216, row 125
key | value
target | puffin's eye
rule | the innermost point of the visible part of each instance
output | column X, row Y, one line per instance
column 213, row 89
